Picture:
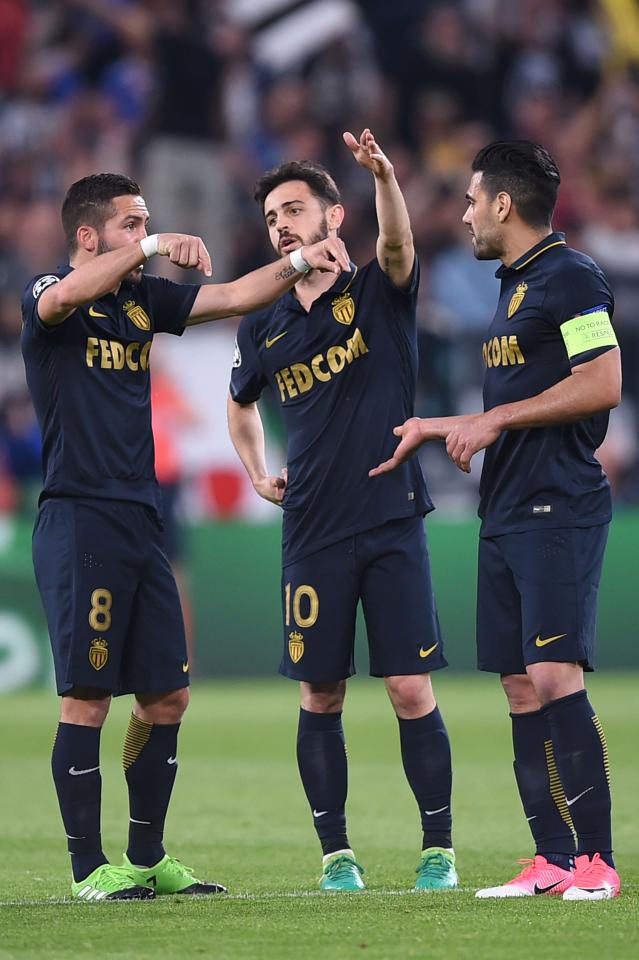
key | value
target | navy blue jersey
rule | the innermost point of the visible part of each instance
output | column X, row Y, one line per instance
column 90, row 385
column 553, row 313
column 345, row 375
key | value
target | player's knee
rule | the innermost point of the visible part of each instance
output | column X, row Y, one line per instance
column 86, row 708
column 521, row 694
column 322, row 698
column 163, row 707
column 411, row 696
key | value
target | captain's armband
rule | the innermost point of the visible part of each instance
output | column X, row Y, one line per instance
column 588, row 331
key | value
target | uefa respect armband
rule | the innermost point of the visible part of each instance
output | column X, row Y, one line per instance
column 588, row 331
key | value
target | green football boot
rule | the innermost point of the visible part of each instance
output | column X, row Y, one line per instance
column 169, row 875
column 342, row 872
column 108, row 882
column 436, row 870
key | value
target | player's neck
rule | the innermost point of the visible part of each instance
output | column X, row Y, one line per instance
column 521, row 242
column 312, row 286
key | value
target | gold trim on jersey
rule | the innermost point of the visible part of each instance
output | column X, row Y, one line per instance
column 555, row 243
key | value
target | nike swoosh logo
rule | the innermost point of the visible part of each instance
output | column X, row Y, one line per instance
column 547, row 889
column 148, row 822
column 269, row 343
column 426, row 653
column 172, row 760
column 80, row 773
column 579, row 796
column 185, row 667
column 319, row 813
column 95, row 313
column 431, row 813
column 542, row 643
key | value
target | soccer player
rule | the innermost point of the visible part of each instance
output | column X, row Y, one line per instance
column 109, row 595
column 552, row 375
column 341, row 357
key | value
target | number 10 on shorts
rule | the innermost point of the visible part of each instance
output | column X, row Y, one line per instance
column 305, row 605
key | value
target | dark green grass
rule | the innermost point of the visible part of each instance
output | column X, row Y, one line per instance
column 239, row 815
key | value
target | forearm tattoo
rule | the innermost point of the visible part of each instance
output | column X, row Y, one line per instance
column 285, row 273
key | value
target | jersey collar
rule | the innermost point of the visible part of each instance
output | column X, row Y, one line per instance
column 341, row 285
column 553, row 240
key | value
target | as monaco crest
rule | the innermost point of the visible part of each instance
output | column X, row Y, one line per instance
column 98, row 653
column 344, row 309
column 137, row 315
column 517, row 297
column 296, row 646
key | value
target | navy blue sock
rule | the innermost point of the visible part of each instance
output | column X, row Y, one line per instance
column 540, row 788
column 321, row 758
column 75, row 764
column 582, row 761
column 150, row 766
column 427, row 764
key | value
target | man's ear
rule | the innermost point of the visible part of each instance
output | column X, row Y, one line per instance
column 87, row 238
column 504, row 204
column 335, row 216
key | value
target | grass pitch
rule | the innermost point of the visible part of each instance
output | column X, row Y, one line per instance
column 239, row 815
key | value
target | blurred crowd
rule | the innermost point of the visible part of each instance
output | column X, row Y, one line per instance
column 196, row 98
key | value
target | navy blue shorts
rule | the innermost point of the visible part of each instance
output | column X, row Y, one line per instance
column 537, row 597
column 389, row 570
column 109, row 595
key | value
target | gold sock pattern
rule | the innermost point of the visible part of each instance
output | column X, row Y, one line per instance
column 137, row 736
column 604, row 746
column 556, row 789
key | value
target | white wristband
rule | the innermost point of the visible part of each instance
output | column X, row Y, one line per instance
column 298, row 261
column 150, row 245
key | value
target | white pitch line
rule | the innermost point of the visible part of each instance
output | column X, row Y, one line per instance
column 222, row 897
column 261, row 897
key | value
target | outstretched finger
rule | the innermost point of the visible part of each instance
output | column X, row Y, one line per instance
column 350, row 141
column 386, row 467
column 204, row 259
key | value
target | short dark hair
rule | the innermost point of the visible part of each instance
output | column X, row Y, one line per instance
column 89, row 201
column 315, row 175
column 526, row 171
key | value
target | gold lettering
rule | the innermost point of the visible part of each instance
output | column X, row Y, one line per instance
column 356, row 346
column 144, row 355
column 288, row 380
column 336, row 358
column 323, row 375
column 496, row 352
column 105, row 355
column 280, row 383
column 117, row 352
column 486, row 355
column 514, row 350
column 132, row 348
column 303, row 376
column 92, row 350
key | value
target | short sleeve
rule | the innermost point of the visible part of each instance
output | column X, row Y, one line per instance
column 402, row 293
column 171, row 303
column 33, row 291
column 580, row 303
column 247, row 378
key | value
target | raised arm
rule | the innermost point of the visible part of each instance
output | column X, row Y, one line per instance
column 247, row 434
column 105, row 272
column 261, row 287
column 592, row 387
column 395, row 249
